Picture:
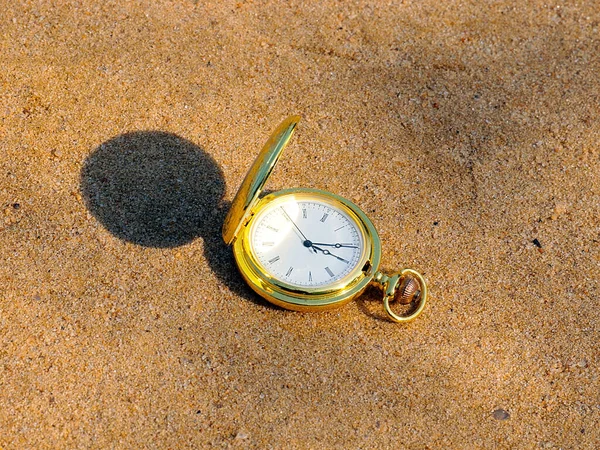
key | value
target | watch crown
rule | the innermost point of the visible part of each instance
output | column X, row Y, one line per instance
column 408, row 291
column 405, row 287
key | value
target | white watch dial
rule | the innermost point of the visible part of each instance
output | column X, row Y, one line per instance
column 306, row 242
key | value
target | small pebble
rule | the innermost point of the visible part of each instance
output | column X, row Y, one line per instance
column 537, row 243
column 242, row 435
column 559, row 209
column 500, row 414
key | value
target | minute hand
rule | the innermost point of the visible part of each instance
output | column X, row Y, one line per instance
column 336, row 245
column 327, row 252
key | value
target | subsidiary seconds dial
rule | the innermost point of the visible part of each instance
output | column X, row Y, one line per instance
column 306, row 242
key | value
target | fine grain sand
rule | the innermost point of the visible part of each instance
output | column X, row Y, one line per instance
column 467, row 131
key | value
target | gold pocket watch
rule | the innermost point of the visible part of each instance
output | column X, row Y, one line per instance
column 308, row 249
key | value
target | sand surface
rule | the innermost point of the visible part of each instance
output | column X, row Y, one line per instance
column 466, row 130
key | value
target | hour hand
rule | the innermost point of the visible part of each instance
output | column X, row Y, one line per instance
column 336, row 245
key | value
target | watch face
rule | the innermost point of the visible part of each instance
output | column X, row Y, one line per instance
column 307, row 241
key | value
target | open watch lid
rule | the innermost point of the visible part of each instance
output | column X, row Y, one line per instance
column 257, row 176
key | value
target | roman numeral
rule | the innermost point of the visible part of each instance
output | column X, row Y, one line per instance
column 271, row 261
column 289, row 272
column 304, row 214
column 328, row 270
column 268, row 244
column 309, row 275
column 324, row 218
column 273, row 228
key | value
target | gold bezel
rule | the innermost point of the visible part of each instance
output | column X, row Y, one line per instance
column 309, row 298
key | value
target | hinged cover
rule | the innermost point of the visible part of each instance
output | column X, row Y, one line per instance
column 256, row 178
